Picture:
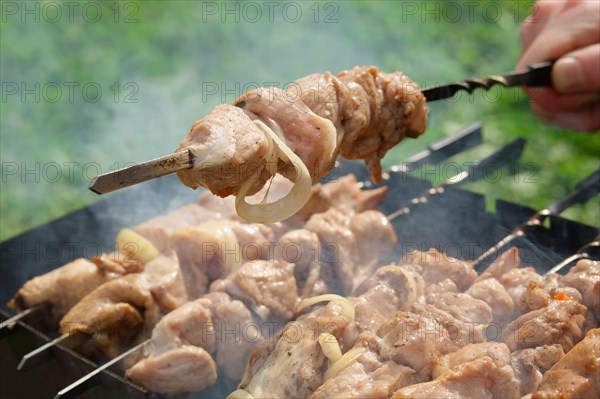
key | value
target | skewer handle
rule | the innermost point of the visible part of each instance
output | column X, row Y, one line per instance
column 141, row 172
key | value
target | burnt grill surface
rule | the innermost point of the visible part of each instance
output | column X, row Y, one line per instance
column 455, row 222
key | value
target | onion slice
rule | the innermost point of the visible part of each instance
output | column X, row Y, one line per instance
column 349, row 357
column 284, row 207
column 240, row 394
column 330, row 347
column 348, row 310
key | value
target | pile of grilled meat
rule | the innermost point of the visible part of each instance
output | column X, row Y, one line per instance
column 313, row 307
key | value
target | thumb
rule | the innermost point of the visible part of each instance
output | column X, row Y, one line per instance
column 578, row 71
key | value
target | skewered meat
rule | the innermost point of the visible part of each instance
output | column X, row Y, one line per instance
column 438, row 267
column 62, row 288
column 560, row 322
column 115, row 312
column 266, row 287
column 493, row 293
column 577, row 374
column 530, row 365
column 467, row 380
column 158, row 230
column 295, row 349
column 188, row 344
column 343, row 193
column 390, row 289
column 368, row 377
column 585, row 277
column 462, row 306
column 348, row 243
column 360, row 114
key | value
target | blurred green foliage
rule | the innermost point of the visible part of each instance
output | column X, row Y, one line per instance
column 90, row 86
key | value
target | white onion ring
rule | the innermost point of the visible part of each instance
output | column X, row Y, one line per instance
column 330, row 347
column 284, row 207
column 240, row 394
column 348, row 310
column 345, row 361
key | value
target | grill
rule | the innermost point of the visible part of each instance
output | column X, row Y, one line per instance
column 452, row 220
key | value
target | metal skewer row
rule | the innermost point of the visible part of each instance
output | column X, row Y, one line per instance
column 505, row 156
column 584, row 190
column 91, row 379
column 467, row 138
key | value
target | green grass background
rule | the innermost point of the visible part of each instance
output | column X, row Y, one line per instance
column 169, row 55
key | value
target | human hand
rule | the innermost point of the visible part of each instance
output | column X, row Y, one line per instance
column 569, row 32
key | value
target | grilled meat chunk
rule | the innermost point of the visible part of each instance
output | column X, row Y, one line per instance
column 462, row 306
column 560, row 322
column 438, row 267
column 158, row 230
column 215, row 326
column 115, row 312
column 493, row 293
column 577, row 374
column 515, row 281
column 62, row 288
column 467, row 380
column 180, row 370
column 530, row 365
column 229, row 148
column 585, row 277
column 296, row 350
column 267, row 287
column 366, row 377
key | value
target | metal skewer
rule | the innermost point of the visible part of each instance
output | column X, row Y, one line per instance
column 582, row 253
column 141, row 172
column 584, row 190
column 507, row 155
column 535, row 75
column 9, row 324
column 42, row 354
column 89, row 380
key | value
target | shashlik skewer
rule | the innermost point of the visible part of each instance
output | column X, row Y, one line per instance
column 322, row 197
column 349, row 101
column 584, row 190
column 582, row 253
column 506, row 155
column 561, row 301
column 250, row 281
column 360, row 114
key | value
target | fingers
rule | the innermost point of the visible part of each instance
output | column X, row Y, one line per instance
column 586, row 119
column 578, row 71
column 563, row 30
column 534, row 24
